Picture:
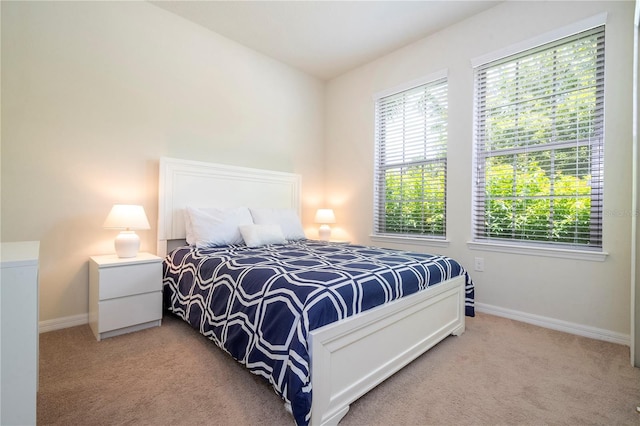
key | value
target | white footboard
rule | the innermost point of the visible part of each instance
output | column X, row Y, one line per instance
column 351, row 357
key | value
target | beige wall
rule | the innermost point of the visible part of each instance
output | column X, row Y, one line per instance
column 93, row 93
column 635, row 252
column 587, row 294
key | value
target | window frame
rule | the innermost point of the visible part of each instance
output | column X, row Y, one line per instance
column 435, row 79
column 544, row 248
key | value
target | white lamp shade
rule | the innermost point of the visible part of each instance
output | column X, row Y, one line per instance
column 325, row 216
column 126, row 216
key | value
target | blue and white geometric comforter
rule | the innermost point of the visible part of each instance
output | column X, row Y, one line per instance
column 259, row 304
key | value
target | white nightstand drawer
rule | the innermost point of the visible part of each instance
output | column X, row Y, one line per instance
column 123, row 312
column 130, row 279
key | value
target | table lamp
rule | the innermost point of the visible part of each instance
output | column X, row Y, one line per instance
column 128, row 218
column 325, row 217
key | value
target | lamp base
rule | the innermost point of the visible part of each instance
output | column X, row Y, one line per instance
column 324, row 232
column 127, row 244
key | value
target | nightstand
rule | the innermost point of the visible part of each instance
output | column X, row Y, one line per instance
column 125, row 294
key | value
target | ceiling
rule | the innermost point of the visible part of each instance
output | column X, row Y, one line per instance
column 325, row 38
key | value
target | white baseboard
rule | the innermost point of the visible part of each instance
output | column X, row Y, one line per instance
column 64, row 322
column 546, row 322
column 555, row 324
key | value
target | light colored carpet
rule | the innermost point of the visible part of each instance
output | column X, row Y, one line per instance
column 499, row 372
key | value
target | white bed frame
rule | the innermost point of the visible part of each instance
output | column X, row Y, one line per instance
column 350, row 357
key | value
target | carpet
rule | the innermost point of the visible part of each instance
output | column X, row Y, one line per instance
column 499, row 372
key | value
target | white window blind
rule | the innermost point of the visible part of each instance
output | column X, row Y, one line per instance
column 539, row 136
column 411, row 161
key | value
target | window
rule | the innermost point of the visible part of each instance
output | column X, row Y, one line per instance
column 539, row 145
column 411, row 161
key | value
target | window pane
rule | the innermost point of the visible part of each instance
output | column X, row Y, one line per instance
column 415, row 200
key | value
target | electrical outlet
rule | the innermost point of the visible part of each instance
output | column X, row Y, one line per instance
column 479, row 264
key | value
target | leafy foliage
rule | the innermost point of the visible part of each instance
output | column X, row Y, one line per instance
column 518, row 203
column 415, row 200
column 524, row 203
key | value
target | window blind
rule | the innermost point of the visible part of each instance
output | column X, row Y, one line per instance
column 411, row 161
column 539, row 138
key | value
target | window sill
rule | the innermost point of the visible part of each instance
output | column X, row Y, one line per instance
column 410, row 240
column 592, row 256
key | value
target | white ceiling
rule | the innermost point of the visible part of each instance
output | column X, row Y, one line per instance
column 325, row 38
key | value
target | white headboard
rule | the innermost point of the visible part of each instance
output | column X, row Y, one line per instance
column 185, row 183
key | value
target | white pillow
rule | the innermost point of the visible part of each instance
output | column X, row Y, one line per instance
column 191, row 239
column 287, row 219
column 208, row 227
column 260, row 235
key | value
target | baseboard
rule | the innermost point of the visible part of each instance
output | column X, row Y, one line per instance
column 555, row 324
column 64, row 322
column 546, row 322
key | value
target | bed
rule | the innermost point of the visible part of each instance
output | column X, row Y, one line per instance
column 296, row 312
